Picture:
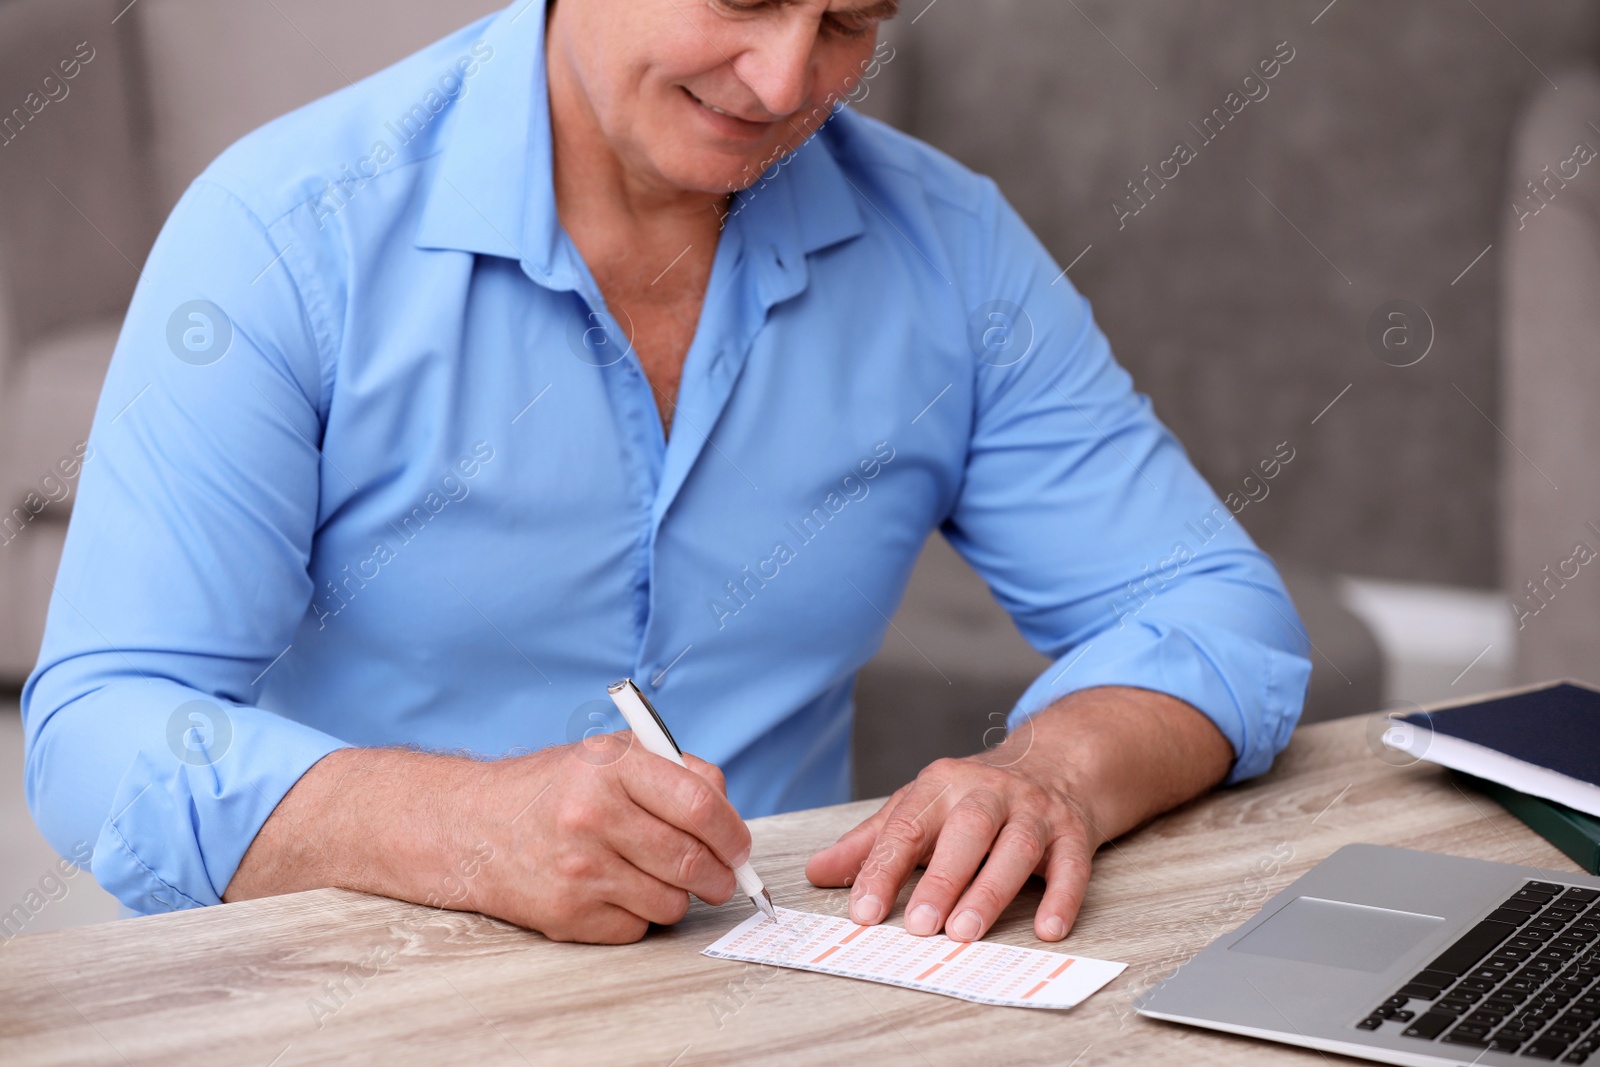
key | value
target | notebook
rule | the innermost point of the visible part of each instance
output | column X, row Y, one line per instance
column 1543, row 741
column 1573, row 832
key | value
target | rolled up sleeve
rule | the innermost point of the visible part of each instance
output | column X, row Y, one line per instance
column 184, row 574
column 1093, row 529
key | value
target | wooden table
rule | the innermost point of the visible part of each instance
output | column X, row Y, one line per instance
column 242, row 983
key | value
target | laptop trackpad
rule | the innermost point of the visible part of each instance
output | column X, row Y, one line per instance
column 1338, row 934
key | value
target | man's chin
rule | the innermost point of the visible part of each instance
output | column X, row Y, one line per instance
column 715, row 173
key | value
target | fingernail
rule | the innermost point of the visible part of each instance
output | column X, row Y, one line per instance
column 1053, row 929
column 740, row 860
column 922, row 920
column 867, row 910
column 966, row 926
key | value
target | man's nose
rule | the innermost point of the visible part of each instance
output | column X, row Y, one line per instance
column 778, row 68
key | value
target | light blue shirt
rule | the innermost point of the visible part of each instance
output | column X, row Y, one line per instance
column 373, row 465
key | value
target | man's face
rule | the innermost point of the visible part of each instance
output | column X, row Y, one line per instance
column 703, row 94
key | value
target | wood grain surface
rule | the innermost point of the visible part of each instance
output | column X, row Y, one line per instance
column 332, row 977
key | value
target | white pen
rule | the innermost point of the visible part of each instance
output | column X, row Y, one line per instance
column 652, row 733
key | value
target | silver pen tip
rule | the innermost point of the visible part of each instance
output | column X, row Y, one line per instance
column 763, row 904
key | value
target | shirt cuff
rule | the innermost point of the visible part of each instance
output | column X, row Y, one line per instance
column 1252, row 691
column 181, row 820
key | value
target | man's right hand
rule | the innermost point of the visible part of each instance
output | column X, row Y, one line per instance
column 610, row 839
column 586, row 842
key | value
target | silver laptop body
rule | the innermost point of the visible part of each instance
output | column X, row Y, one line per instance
column 1375, row 953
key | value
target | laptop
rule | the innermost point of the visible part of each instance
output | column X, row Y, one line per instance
column 1407, row 957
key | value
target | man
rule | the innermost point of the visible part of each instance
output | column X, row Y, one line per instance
column 592, row 342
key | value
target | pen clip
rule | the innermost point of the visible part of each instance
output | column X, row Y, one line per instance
column 628, row 684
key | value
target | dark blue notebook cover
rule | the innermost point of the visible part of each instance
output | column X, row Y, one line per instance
column 1557, row 728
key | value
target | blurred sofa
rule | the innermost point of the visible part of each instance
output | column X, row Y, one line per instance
column 90, row 164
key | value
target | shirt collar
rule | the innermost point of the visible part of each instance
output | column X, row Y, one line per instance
column 493, row 193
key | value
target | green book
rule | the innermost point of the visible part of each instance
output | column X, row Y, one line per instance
column 1573, row 832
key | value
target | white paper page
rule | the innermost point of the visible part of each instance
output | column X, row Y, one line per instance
column 981, row 971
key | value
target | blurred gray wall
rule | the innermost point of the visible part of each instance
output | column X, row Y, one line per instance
column 1378, row 160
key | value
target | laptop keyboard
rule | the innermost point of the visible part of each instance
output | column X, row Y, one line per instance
column 1524, row 980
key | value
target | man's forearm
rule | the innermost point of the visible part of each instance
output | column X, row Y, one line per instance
column 1125, row 755
column 376, row 820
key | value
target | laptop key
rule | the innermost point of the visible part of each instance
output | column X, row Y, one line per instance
column 1428, row 1025
column 1513, row 916
column 1472, row 946
column 1581, row 894
column 1546, row 1048
column 1433, row 978
column 1541, row 887
column 1418, row 991
column 1371, row 1022
column 1456, row 1037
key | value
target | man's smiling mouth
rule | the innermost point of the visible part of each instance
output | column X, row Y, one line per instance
column 720, row 111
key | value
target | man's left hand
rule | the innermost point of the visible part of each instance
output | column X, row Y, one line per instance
column 1089, row 767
